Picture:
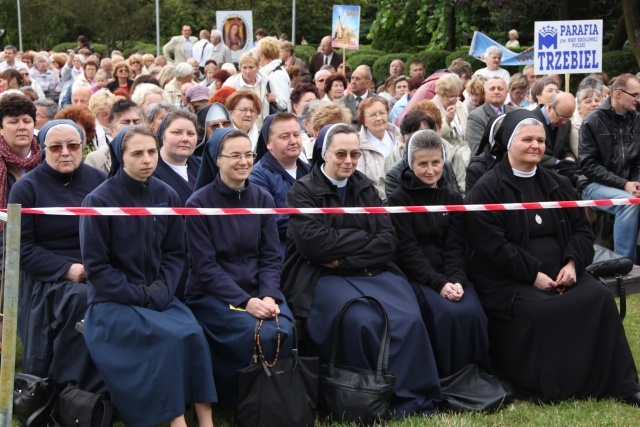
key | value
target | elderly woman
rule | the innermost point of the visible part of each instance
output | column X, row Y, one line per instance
column 249, row 79
column 475, row 91
column 135, row 64
column 454, row 114
column 302, row 94
column 53, row 290
column 280, row 166
column 378, row 137
column 133, row 267
column 518, row 86
column 431, row 252
column 334, row 258
column 542, row 91
column 245, row 107
column 554, row 330
column 278, row 81
column 85, row 121
column 587, row 100
column 177, row 166
column 183, row 74
column 46, row 78
column 123, row 78
column 156, row 112
column 234, row 279
column 492, row 57
column 334, row 87
column 513, row 40
column 100, row 105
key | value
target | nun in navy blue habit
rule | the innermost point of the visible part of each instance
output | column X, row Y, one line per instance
column 272, row 159
column 147, row 345
column 235, row 279
column 177, row 166
column 53, row 291
column 333, row 258
column 432, row 251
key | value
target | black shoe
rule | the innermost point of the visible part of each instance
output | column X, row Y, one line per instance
column 633, row 400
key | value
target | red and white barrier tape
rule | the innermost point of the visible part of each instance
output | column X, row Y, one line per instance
column 343, row 210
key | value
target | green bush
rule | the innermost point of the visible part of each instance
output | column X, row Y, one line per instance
column 433, row 60
column 64, row 47
column 364, row 50
column 464, row 54
column 362, row 59
column 304, row 52
column 380, row 68
column 145, row 47
column 619, row 62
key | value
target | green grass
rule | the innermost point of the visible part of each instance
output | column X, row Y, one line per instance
column 570, row 413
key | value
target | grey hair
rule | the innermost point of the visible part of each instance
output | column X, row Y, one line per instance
column 154, row 109
column 143, row 89
column 367, row 71
column 216, row 34
column 183, row 70
column 493, row 50
column 309, row 109
column 338, row 129
column 52, row 107
column 40, row 57
column 426, row 139
column 586, row 92
column 590, row 83
column 526, row 122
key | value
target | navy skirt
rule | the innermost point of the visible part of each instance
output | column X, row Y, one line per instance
column 229, row 333
column 48, row 313
column 417, row 388
column 154, row 363
column 458, row 329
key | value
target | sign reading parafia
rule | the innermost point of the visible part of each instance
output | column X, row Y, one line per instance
column 568, row 47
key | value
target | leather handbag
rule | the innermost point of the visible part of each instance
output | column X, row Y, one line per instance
column 608, row 263
column 355, row 395
column 79, row 408
column 280, row 393
column 472, row 389
column 33, row 400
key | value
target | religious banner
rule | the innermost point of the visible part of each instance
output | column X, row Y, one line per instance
column 237, row 31
column 346, row 27
column 568, row 47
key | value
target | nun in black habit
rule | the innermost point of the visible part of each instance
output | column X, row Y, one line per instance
column 147, row 345
column 554, row 331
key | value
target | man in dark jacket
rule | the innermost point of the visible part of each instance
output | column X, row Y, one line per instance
column 556, row 117
column 609, row 151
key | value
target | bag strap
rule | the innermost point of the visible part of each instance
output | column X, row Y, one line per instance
column 623, row 296
column 385, row 341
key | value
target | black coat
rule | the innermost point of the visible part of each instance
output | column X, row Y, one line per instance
column 558, row 148
column 478, row 166
column 499, row 260
column 431, row 246
column 363, row 244
column 170, row 177
column 609, row 147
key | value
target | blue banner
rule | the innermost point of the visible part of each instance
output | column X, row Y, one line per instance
column 481, row 42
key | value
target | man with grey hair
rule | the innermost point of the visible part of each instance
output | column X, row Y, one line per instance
column 219, row 51
column 10, row 60
column 360, row 81
column 106, row 65
column 146, row 94
column 492, row 57
column 46, row 110
column 202, row 50
column 495, row 93
column 183, row 74
column 396, row 68
column 81, row 94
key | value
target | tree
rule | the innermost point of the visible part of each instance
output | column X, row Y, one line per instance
column 632, row 19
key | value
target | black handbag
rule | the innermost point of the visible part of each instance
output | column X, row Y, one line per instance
column 472, row 389
column 608, row 263
column 33, row 400
column 282, row 393
column 79, row 408
column 354, row 395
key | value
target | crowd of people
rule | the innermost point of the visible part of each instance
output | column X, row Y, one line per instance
column 169, row 304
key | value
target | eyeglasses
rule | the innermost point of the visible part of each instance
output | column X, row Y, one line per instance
column 342, row 155
column 120, row 70
column 321, row 80
column 237, row 156
column 451, row 98
column 559, row 116
column 58, row 148
column 633, row 95
column 222, row 124
column 378, row 114
column 135, row 62
column 246, row 110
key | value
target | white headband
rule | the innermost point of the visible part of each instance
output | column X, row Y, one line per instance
column 326, row 138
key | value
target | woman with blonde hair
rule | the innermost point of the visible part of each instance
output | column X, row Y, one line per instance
column 135, row 63
column 100, row 105
column 251, row 79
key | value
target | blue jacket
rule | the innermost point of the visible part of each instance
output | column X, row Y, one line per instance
column 125, row 255
column 50, row 244
column 234, row 257
column 268, row 174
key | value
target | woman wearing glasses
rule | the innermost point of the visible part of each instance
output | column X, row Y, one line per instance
column 234, row 279
column 378, row 137
column 245, row 107
column 554, row 331
column 331, row 259
column 123, row 80
column 135, row 64
column 53, row 288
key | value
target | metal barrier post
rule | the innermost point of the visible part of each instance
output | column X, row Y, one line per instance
column 9, row 330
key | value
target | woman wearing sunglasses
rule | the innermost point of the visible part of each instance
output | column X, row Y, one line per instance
column 235, row 271
column 53, row 288
column 331, row 259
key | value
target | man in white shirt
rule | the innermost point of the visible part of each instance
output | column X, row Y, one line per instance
column 219, row 51
column 181, row 46
column 202, row 49
column 10, row 60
